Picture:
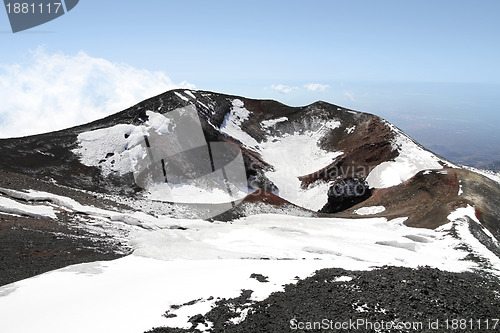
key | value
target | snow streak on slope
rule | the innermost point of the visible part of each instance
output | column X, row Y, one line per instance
column 273, row 122
column 495, row 176
column 10, row 206
column 47, row 202
column 232, row 124
column 460, row 219
column 411, row 159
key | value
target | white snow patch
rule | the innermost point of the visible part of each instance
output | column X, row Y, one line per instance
column 361, row 308
column 238, row 103
column 462, row 212
column 297, row 155
column 110, row 149
column 351, row 129
column 369, row 210
column 411, row 159
column 242, row 316
column 460, row 191
column 158, row 122
column 272, row 122
column 10, row 206
column 116, row 149
column 343, row 279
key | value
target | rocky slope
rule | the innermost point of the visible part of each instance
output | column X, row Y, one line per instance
column 297, row 160
column 199, row 175
column 389, row 299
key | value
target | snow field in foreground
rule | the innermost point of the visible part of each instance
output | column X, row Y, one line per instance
column 132, row 293
column 373, row 240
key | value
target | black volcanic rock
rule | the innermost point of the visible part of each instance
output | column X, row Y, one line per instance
column 346, row 193
column 363, row 141
column 426, row 299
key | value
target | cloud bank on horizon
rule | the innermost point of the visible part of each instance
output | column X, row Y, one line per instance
column 316, row 86
column 284, row 89
column 56, row 91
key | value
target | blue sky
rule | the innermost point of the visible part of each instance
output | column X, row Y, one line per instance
column 431, row 67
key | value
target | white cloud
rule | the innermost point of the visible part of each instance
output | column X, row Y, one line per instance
column 282, row 88
column 55, row 91
column 316, row 86
column 349, row 95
